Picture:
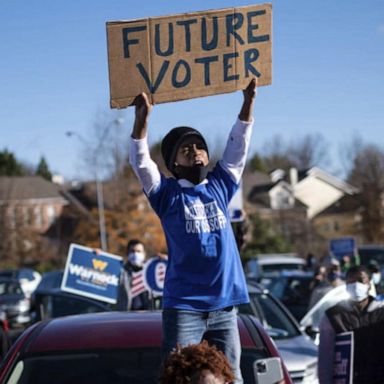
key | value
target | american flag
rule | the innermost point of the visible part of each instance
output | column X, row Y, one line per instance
column 138, row 283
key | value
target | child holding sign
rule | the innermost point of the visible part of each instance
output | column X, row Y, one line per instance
column 204, row 279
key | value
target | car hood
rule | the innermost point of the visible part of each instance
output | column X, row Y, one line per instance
column 297, row 352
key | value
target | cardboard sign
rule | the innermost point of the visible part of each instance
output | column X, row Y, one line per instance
column 189, row 55
column 343, row 364
column 92, row 275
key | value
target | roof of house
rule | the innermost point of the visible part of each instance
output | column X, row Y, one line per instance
column 27, row 188
column 328, row 178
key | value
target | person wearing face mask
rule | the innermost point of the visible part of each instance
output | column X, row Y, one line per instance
column 135, row 259
column 362, row 315
column 204, row 281
column 374, row 269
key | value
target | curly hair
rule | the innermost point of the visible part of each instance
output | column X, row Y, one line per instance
column 187, row 365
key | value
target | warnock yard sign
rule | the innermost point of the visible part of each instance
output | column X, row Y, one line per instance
column 189, row 55
column 91, row 274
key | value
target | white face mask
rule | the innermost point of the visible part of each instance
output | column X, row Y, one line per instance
column 136, row 258
column 358, row 291
column 376, row 277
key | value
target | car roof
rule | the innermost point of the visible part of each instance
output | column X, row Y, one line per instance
column 280, row 260
column 105, row 330
column 295, row 274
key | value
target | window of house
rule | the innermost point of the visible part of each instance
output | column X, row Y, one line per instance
column 38, row 216
column 50, row 212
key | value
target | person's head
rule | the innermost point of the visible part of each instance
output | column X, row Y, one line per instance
column 185, row 154
column 136, row 252
column 358, row 283
column 374, row 269
column 320, row 272
column 334, row 272
column 197, row 364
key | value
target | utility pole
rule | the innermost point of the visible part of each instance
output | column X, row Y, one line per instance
column 99, row 183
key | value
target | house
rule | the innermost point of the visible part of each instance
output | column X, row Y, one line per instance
column 318, row 189
column 29, row 202
column 294, row 203
column 341, row 219
column 313, row 188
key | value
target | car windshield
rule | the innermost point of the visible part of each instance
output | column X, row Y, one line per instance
column 294, row 292
column 50, row 280
column 138, row 365
column 10, row 288
column 368, row 255
column 56, row 306
column 274, row 319
column 280, row 267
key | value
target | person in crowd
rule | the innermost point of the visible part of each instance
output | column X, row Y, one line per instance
column 134, row 262
column 346, row 263
column 362, row 315
column 196, row 364
column 204, row 280
column 319, row 285
column 374, row 269
column 310, row 261
column 335, row 276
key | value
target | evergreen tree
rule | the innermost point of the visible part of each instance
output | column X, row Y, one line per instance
column 9, row 166
column 43, row 169
column 264, row 239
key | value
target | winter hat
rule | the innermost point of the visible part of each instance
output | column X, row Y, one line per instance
column 172, row 141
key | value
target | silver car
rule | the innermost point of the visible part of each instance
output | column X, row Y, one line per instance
column 297, row 349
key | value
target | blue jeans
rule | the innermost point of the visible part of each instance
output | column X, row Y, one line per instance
column 191, row 327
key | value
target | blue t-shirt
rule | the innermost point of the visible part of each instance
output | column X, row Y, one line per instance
column 204, row 270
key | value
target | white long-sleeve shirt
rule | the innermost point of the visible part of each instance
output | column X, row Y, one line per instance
column 233, row 160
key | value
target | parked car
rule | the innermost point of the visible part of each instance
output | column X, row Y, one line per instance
column 56, row 303
column 4, row 334
column 118, row 347
column 297, row 349
column 29, row 279
column 273, row 263
column 293, row 289
column 371, row 252
column 14, row 302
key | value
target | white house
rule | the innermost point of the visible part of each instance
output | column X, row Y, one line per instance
column 318, row 189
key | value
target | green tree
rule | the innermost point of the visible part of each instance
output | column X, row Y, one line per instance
column 43, row 169
column 262, row 238
column 257, row 163
column 9, row 166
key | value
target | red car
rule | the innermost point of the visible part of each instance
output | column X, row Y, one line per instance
column 119, row 347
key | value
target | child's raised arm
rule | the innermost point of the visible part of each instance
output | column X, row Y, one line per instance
column 143, row 108
column 249, row 94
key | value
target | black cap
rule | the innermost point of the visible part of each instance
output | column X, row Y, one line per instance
column 172, row 141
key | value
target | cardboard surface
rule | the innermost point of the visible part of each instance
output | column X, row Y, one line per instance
column 189, row 55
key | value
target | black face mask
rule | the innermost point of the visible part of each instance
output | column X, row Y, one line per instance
column 195, row 174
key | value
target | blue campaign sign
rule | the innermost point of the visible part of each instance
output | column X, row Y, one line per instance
column 91, row 274
column 343, row 363
column 342, row 246
column 154, row 273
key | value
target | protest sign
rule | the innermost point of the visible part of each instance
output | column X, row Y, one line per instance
column 189, row 55
column 92, row 275
column 342, row 246
column 150, row 278
column 343, row 363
